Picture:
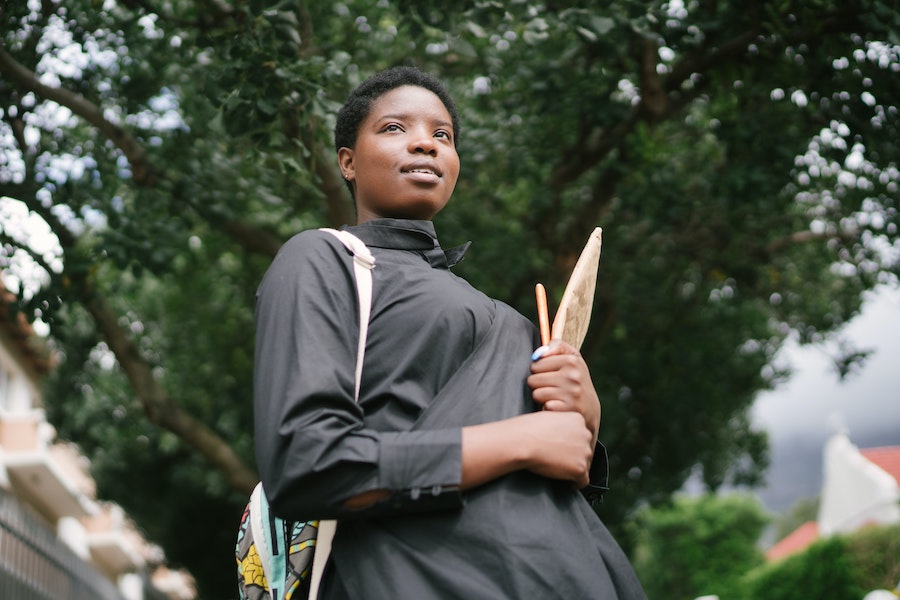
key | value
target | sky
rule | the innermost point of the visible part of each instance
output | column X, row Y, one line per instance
column 802, row 413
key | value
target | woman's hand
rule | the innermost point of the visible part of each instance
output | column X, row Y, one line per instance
column 557, row 442
column 561, row 447
column 553, row 444
column 560, row 382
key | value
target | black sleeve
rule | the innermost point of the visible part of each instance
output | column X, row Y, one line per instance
column 313, row 448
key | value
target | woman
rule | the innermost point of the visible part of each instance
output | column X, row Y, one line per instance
column 447, row 478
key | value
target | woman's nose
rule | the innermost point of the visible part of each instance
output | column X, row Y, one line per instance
column 423, row 143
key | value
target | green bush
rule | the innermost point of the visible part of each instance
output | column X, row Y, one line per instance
column 875, row 553
column 837, row 568
column 824, row 572
column 701, row 545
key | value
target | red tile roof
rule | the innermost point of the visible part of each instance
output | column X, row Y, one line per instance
column 796, row 541
column 15, row 327
column 886, row 457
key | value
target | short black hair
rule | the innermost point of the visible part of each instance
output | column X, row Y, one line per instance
column 361, row 100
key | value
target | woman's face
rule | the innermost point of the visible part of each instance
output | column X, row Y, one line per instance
column 404, row 164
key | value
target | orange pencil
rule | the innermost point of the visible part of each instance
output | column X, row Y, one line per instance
column 543, row 313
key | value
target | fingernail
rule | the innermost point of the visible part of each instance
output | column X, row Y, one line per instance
column 539, row 353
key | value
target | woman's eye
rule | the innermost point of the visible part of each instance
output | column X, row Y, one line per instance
column 443, row 134
column 392, row 127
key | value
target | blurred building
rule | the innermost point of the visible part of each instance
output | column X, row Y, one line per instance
column 859, row 488
column 57, row 540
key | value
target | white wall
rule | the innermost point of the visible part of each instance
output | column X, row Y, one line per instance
column 855, row 491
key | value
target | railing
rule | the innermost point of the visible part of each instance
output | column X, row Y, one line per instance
column 36, row 565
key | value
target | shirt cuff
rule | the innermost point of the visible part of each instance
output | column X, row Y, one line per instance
column 421, row 469
column 599, row 476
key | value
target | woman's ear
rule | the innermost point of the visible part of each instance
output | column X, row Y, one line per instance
column 345, row 162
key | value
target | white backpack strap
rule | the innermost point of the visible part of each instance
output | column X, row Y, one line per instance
column 363, row 263
column 262, row 536
column 327, row 529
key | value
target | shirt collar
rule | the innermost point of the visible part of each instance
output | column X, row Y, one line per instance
column 407, row 234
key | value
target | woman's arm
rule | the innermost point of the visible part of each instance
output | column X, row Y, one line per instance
column 553, row 444
column 557, row 442
column 314, row 451
column 313, row 447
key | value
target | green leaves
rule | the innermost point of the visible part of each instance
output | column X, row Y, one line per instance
column 734, row 215
column 698, row 546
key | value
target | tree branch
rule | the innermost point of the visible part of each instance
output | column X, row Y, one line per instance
column 661, row 98
column 5, row 238
column 657, row 101
column 703, row 59
column 141, row 169
column 252, row 238
column 18, row 190
column 596, row 148
column 160, row 408
column 340, row 210
column 322, row 162
column 17, row 126
column 157, row 404
column 307, row 48
column 654, row 104
column 65, row 237
column 208, row 19
column 798, row 237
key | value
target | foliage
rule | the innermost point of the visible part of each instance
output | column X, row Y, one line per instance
column 181, row 317
column 698, row 546
column 803, row 511
column 838, row 567
column 875, row 555
column 741, row 159
column 823, row 571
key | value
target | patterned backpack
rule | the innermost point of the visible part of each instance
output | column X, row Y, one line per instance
column 275, row 558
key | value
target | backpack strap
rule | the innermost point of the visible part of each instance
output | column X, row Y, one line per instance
column 269, row 545
column 363, row 263
column 261, row 528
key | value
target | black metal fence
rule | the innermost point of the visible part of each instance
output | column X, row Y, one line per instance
column 36, row 565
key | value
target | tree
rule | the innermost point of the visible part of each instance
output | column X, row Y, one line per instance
column 741, row 159
column 837, row 567
column 803, row 511
column 698, row 546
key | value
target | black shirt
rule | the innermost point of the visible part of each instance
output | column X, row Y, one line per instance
column 439, row 356
column 315, row 446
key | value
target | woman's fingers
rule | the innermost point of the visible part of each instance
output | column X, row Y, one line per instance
column 563, row 449
column 560, row 381
column 557, row 405
column 562, row 377
column 555, row 347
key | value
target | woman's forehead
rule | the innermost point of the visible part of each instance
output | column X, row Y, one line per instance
column 409, row 101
